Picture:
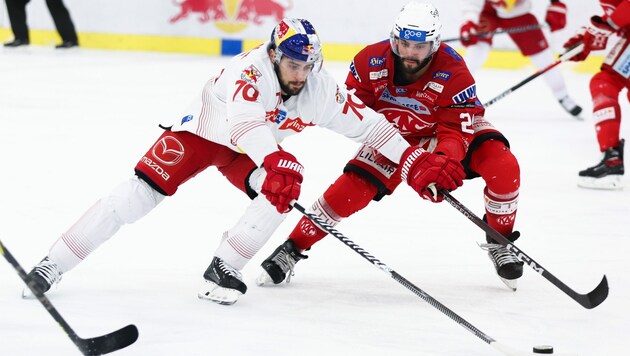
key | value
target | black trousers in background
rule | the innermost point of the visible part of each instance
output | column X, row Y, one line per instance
column 58, row 11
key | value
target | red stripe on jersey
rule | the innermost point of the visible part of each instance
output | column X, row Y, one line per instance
column 242, row 128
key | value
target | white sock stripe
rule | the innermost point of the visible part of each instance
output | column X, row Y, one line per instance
column 324, row 211
column 507, row 196
column 501, row 207
column 556, row 8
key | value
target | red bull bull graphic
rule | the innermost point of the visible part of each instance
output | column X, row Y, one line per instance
column 231, row 16
column 206, row 9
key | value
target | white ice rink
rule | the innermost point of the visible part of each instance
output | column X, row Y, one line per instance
column 75, row 123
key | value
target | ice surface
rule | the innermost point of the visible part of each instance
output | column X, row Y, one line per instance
column 75, row 123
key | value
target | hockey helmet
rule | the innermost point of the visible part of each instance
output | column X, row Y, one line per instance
column 417, row 22
column 297, row 39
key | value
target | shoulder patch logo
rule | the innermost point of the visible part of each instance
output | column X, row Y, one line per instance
column 465, row 94
column 251, row 74
column 339, row 97
column 353, row 70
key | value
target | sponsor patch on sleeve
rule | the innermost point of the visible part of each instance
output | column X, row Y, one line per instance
column 465, row 94
column 353, row 70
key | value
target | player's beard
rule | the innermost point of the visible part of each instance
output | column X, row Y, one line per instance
column 288, row 88
column 410, row 65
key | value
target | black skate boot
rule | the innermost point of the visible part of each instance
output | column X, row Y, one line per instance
column 279, row 265
column 571, row 107
column 43, row 277
column 223, row 284
column 16, row 43
column 508, row 266
column 608, row 173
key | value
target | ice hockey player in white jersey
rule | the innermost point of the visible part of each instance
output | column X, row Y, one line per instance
column 486, row 16
column 236, row 125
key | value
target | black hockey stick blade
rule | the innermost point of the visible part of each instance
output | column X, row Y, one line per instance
column 111, row 342
column 588, row 301
column 99, row 345
column 596, row 296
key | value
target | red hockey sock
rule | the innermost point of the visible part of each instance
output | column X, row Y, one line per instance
column 349, row 194
column 605, row 89
column 501, row 211
column 499, row 168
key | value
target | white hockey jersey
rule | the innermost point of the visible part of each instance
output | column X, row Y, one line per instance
column 242, row 108
column 506, row 9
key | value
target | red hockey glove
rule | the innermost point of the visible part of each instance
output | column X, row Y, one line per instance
column 283, row 181
column 594, row 37
column 556, row 16
column 468, row 33
column 420, row 168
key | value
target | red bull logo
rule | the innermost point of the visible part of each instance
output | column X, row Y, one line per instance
column 231, row 15
column 251, row 74
column 206, row 9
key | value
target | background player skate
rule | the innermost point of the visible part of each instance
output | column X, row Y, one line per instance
column 423, row 88
column 483, row 16
column 258, row 99
column 605, row 87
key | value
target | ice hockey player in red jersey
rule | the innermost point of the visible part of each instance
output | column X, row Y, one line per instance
column 236, row 125
column 605, row 87
column 424, row 89
column 483, row 16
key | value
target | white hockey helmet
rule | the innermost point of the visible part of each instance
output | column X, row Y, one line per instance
column 419, row 22
column 297, row 39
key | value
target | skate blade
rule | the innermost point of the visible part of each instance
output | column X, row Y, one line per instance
column 27, row 294
column 611, row 182
column 510, row 283
column 263, row 279
column 215, row 293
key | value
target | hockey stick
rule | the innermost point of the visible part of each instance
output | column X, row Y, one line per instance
column 99, row 345
column 588, row 301
column 506, row 350
column 495, row 32
column 563, row 58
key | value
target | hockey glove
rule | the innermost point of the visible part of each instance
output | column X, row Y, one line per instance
column 421, row 169
column 283, row 181
column 594, row 37
column 556, row 16
column 468, row 33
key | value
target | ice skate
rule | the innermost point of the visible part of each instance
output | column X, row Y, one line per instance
column 606, row 174
column 279, row 265
column 571, row 107
column 223, row 284
column 508, row 267
column 43, row 277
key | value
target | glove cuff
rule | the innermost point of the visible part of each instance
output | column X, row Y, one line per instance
column 409, row 157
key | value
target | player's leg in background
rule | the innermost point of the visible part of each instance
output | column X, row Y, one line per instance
column 534, row 45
